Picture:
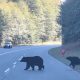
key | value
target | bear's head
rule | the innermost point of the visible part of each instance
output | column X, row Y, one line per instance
column 69, row 58
column 23, row 59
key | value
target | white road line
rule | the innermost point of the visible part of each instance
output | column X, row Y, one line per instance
column 20, row 58
column 15, row 63
column 7, row 70
column 13, row 51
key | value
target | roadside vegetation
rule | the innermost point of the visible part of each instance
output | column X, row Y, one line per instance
column 69, row 19
column 29, row 21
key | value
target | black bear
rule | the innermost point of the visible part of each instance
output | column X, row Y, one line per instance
column 32, row 62
column 74, row 61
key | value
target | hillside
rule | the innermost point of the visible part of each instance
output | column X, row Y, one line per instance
column 29, row 21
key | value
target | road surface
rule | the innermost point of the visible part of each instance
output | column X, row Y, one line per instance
column 12, row 69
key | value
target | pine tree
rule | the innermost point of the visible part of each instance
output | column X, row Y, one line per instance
column 70, row 21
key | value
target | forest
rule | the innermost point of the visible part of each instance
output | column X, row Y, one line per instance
column 29, row 21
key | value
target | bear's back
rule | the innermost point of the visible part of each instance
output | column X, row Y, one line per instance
column 74, row 59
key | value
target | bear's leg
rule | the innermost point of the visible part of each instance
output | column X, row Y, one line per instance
column 27, row 67
column 39, row 67
column 43, row 66
column 32, row 67
column 70, row 64
column 73, row 66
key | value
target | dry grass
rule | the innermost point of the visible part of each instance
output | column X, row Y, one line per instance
column 49, row 43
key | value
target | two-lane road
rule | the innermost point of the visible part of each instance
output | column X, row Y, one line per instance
column 12, row 69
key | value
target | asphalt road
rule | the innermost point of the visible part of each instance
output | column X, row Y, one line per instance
column 12, row 69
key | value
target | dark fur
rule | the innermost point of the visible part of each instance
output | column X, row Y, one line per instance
column 74, row 61
column 32, row 62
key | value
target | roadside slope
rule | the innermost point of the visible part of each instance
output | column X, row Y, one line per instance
column 60, row 53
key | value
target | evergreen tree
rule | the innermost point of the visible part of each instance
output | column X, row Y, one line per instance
column 70, row 21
